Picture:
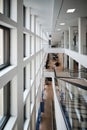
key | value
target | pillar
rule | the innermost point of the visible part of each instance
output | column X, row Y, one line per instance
column 65, row 39
column 82, row 22
column 70, row 37
column 70, row 63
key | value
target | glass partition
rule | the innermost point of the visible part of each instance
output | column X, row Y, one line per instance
column 73, row 102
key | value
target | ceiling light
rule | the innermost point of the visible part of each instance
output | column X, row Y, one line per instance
column 71, row 10
column 58, row 29
column 62, row 23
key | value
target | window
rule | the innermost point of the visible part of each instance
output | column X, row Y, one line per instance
column 4, row 47
column 5, row 7
column 4, row 105
column 24, row 43
column 24, row 16
column 24, row 112
column 24, row 78
column 1, row 6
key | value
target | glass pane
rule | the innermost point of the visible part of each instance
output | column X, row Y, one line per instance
column 24, row 78
column 1, row 104
column 4, row 105
column 73, row 101
column 1, row 47
column 1, row 6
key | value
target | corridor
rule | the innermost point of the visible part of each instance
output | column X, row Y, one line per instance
column 46, row 117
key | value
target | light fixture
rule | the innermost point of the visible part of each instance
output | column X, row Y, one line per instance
column 62, row 23
column 58, row 29
column 70, row 10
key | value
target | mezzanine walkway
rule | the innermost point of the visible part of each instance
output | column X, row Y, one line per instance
column 46, row 117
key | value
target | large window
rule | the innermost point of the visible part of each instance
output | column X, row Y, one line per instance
column 24, row 112
column 4, row 47
column 5, row 7
column 24, row 77
column 24, row 45
column 4, row 105
column 24, row 16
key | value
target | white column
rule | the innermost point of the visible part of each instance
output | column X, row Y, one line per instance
column 65, row 39
column 27, row 15
column 70, row 37
column 34, row 120
column 1, row 103
column 62, row 40
column 19, row 67
column 32, row 23
column 65, row 61
column 70, row 63
column 79, row 69
column 1, row 47
column 82, row 22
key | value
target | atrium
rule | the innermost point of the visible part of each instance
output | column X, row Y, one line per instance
column 43, row 64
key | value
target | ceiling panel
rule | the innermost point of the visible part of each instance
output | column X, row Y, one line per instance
column 52, row 12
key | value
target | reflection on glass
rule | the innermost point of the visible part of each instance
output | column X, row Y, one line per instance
column 1, row 47
column 1, row 104
column 1, row 6
column 74, row 105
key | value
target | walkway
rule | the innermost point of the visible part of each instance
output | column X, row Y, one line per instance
column 77, row 81
column 46, row 120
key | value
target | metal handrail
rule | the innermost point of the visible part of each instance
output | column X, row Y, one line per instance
column 67, row 125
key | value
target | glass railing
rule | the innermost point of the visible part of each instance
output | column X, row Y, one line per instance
column 73, row 101
column 81, row 73
column 85, row 49
column 74, row 48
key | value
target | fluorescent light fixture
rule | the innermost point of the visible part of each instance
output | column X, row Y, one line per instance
column 58, row 29
column 62, row 23
column 70, row 10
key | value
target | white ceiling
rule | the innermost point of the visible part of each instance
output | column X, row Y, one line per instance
column 44, row 10
column 52, row 12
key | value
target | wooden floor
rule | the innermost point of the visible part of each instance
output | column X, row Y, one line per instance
column 46, row 120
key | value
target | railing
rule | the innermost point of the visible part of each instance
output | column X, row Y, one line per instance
column 67, row 124
column 73, row 105
column 57, row 46
column 85, row 49
column 53, row 117
column 75, row 48
column 80, row 73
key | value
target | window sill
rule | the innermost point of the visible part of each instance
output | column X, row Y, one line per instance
column 7, row 69
column 26, row 124
column 11, row 123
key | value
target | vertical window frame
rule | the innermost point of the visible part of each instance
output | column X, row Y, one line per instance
column 24, row 78
column 6, row 47
column 5, row 7
column 6, row 103
column 24, row 16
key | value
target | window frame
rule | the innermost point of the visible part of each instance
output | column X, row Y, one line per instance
column 6, row 7
column 6, row 103
column 6, row 47
column 24, row 78
column 24, row 45
column 24, row 16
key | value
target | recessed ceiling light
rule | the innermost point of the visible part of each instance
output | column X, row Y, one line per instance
column 58, row 29
column 62, row 23
column 70, row 10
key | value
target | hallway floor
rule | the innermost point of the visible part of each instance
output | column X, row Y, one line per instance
column 46, row 120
